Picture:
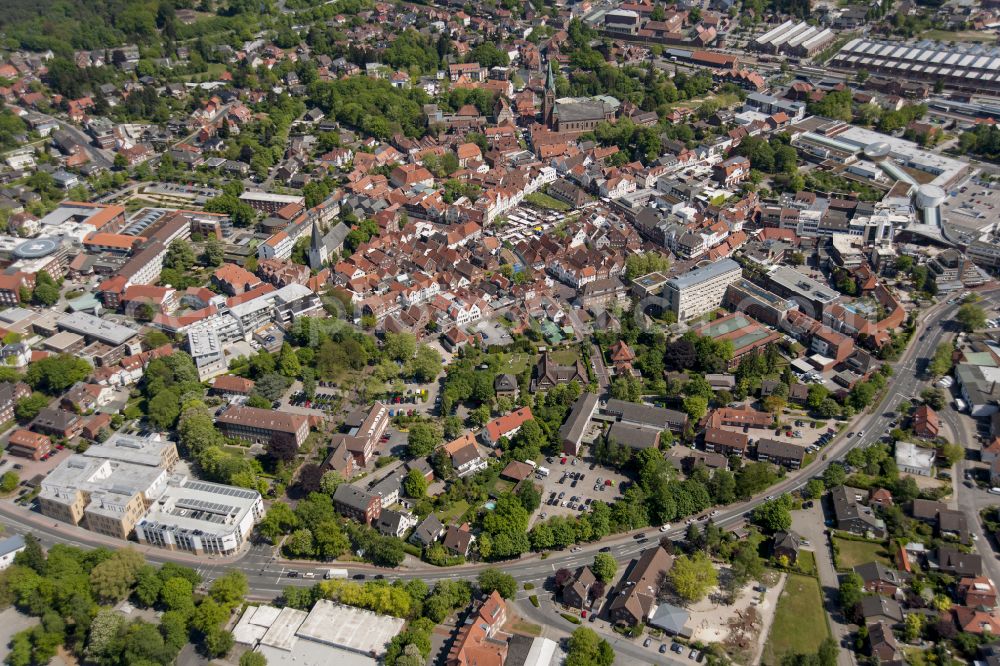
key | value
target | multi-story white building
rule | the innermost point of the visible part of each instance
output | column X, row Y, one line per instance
column 701, row 290
column 201, row 517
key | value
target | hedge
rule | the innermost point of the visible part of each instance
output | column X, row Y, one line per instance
column 534, row 600
column 571, row 618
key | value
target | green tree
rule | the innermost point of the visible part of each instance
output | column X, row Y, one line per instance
column 940, row 363
column 229, row 589
column 849, row 593
column 8, row 482
column 112, row 579
column 177, row 594
column 972, row 317
column 605, row 566
column 415, row 484
column 422, row 439
column 328, row 484
column 693, row 576
column 54, row 374
column 28, row 408
column 586, row 648
column 494, row 579
column 774, row 515
column 253, row 659
column 426, row 364
column 163, row 409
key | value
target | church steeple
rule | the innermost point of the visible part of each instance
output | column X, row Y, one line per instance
column 317, row 253
column 549, row 101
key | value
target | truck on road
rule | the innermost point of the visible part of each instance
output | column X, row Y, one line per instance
column 335, row 573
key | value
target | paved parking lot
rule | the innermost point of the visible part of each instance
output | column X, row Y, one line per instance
column 977, row 206
column 562, row 478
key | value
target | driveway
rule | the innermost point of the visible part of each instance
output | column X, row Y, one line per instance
column 809, row 524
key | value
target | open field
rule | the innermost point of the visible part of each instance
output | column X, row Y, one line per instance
column 799, row 623
column 852, row 553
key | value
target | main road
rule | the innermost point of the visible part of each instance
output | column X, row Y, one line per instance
column 268, row 574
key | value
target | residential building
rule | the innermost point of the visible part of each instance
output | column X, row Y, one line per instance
column 645, row 415
column 458, row 540
column 549, row 374
column 357, row 503
column 506, row 425
column 394, row 523
column 27, row 444
column 787, row 544
column 576, row 590
column 701, row 290
column 851, row 515
column 262, row 426
column 913, row 459
column 638, row 591
column 481, row 641
column 926, row 423
column 880, row 579
column 427, row 532
column 365, row 432
column 780, row 453
column 464, row 454
column 9, row 548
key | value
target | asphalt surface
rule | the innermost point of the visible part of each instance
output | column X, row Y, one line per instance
column 268, row 574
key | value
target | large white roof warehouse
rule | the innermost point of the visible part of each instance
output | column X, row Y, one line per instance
column 973, row 67
column 330, row 633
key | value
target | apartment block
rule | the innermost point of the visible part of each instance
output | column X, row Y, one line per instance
column 701, row 290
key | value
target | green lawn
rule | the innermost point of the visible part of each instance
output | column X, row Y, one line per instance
column 543, row 200
column 565, row 356
column 852, row 553
column 806, row 561
column 454, row 512
column 799, row 621
column 517, row 362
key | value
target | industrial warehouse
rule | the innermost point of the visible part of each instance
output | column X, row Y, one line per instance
column 968, row 67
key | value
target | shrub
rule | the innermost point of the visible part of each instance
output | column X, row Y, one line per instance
column 534, row 600
column 571, row 618
column 529, row 586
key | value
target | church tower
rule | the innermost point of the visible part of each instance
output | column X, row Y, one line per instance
column 317, row 253
column 549, row 102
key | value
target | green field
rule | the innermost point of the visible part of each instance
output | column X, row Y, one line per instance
column 564, row 356
column 543, row 200
column 852, row 553
column 454, row 512
column 799, row 621
column 517, row 362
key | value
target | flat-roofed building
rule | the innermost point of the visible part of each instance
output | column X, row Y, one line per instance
column 761, row 304
column 149, row 451
column 105, row 496
column 96, row 329
column 701, row 290
column 813, row 297
column 201, row 517
column 263, row 426
column 649, row 416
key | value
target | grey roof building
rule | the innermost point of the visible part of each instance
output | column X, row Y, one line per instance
column 572, row 431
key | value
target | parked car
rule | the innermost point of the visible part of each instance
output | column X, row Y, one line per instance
column 647, row 642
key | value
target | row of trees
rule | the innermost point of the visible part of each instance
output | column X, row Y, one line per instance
column 72, row 591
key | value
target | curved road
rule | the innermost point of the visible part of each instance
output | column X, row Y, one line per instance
column 268, row 574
